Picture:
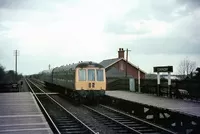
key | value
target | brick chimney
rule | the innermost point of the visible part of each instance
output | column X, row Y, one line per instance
column 121, row 53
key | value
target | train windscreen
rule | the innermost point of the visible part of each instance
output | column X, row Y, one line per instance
column 82, row 74
column 100, row 75
column 91, row 75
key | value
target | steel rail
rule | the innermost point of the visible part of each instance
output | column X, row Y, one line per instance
column 48, row 116
column 105, row 116
column 63, row 108
column 137, row 119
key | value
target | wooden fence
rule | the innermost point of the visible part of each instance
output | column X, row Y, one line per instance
column 150, row 86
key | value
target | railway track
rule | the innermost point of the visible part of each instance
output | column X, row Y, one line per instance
column 59, row 118
column 38, row 81
column 123, row 123
column 115, row 120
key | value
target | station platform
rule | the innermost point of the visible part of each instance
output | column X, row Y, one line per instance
column 175, row 105
column 20, row 114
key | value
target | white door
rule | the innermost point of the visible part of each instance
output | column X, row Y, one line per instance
column 132, row 84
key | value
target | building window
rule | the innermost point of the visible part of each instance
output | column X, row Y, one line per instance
column 121, row 66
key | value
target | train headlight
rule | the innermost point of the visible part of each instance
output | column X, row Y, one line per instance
column 89, row 85
column 93, row 85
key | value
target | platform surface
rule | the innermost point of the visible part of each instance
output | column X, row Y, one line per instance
column 181, row 106
column 20, row 114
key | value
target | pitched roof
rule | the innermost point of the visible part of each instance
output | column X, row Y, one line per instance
column 109, row 62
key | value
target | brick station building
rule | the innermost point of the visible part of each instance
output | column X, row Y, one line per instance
column 116, row 67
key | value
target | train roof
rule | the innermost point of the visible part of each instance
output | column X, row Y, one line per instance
column 87, row 63
column 77, row 65
column 46, row 71
column 72, row 67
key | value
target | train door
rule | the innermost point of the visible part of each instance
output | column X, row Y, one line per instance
column 91, row 78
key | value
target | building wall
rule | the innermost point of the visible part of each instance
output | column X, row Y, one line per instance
column 121, row 67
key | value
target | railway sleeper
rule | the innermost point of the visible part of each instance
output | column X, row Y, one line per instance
column 109, row 123
column 68, row 122
column 118, row 128
column 104, row 121
column 70, row 131
column 148, row 131
column 151, row 133
column 113, row 125
column 130, row 123
column 74, row 129
column 123, row 131
column 64, row 126
column 66, row 119
column 122, row 119
column 140, row 127
column 118, row 118
column 133, row 124
column 63, row 118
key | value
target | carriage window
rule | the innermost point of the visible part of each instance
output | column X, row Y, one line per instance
column 82, row 75
column 91, row 74
column 99, row 75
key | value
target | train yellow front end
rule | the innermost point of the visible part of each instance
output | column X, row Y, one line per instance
column 90, row 81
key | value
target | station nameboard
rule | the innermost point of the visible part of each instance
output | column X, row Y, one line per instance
column 163, row 69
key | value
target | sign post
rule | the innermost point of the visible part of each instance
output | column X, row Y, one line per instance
column 168, row 69
column 158, row 83
column 169, row 85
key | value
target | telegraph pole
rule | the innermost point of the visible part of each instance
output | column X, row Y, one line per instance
column 16, row 53
column 127, row 60
column 139, row 89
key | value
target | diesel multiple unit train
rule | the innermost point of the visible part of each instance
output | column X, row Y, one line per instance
column 83, row 80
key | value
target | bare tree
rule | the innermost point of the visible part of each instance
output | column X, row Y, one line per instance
column 186, row 67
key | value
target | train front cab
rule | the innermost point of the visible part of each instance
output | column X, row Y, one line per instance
column 90, row 81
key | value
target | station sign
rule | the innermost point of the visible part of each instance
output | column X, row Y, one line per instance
column 163, row 69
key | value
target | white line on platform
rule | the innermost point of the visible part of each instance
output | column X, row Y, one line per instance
column 33, row 129
column 17, row 104
column 27, row 124
column 10, row 116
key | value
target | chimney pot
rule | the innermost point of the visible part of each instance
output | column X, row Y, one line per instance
column 121, row 53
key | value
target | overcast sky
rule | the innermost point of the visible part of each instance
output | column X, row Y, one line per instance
column 60, row 32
